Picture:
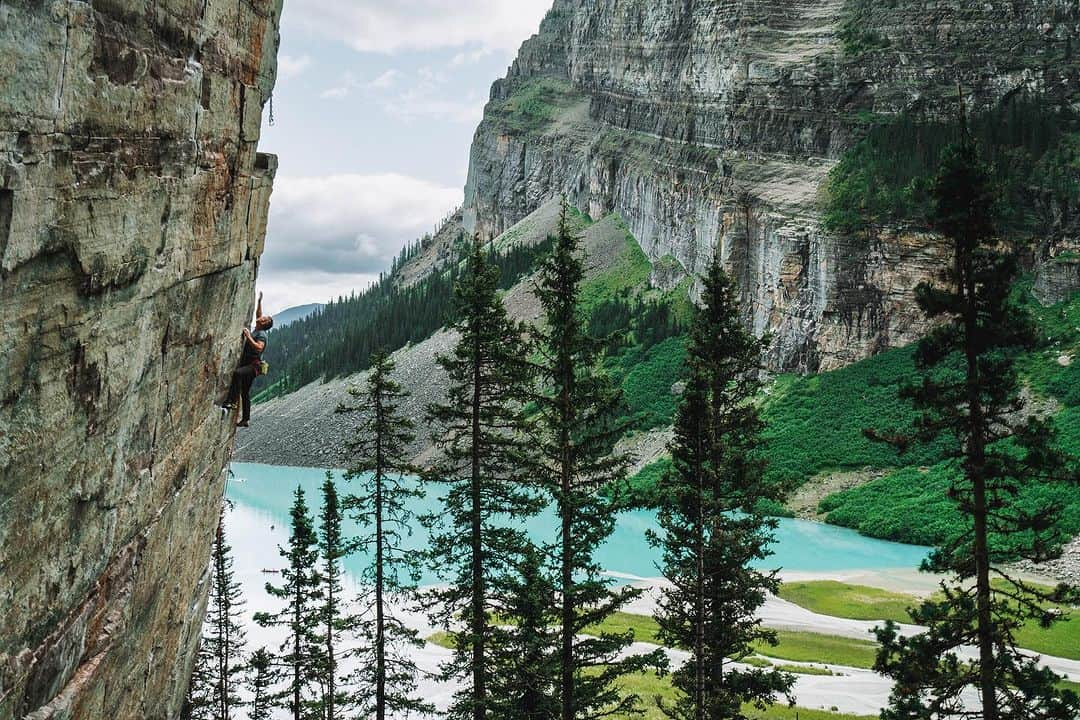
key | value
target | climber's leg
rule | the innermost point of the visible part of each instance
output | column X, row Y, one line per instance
column 236, row 385
column 247, row 376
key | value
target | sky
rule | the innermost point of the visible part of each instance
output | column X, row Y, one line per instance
column 374, row 110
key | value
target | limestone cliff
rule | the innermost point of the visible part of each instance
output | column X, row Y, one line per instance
column 714, row 122
column 132, row 215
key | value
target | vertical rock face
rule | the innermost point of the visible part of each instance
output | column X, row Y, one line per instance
column 132, row 216
column 711, row 123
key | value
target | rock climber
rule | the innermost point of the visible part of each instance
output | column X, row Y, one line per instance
column 250, row 366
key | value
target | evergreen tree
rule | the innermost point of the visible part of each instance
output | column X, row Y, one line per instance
column 334, row 621
column 579, row 415
column 713, row 528
column 212, row 691
column 526, row 665
column 969, row 392
column 300, row 653
column 199, row 700
column 224, row 637
column 381, row 479
column 261, row 678
column 485, row 461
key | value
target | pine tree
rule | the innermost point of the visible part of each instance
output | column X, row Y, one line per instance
column 579, row 417
column 485, row 461
column 713, row 528
column 212, row 691
column 224, row 636
column 199, row 700
column 334, row 620
column 969, row 392
column 261, row 678
column 300, row 653
column 526, row 666
column 382, row 485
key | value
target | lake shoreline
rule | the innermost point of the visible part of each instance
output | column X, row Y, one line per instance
column 258, row 520
column 899, row 579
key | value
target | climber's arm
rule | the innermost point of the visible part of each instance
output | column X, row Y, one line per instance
column 259, row 345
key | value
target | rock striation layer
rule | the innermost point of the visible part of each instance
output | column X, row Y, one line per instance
column 133, row 205
column 715, row 124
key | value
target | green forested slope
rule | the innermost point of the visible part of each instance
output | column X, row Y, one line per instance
column 909, row 504
column 339, row 338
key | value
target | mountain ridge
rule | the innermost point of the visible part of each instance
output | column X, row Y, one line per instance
column 297, row 312
column 718, row 125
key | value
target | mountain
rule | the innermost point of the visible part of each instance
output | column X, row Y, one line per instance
column 738, row 126
column 291, row 315
column 797, row 139
column 133, row 206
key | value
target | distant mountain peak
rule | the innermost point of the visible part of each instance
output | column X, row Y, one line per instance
column 291, row 315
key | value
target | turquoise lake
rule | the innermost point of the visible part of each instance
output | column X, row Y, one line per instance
column 262, row 494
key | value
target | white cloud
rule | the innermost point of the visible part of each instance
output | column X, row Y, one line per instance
column 427, row 98
column 349, row 224
column 470, row 58
column 284, row 289
column 290, row 67
column 385, row 80
column 388, row 27
column 411, row 105
column 349, row 82
column 335, row 93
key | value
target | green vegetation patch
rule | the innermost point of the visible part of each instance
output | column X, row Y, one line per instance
column 627, row 274
column 785, row 712
column 815, row 423
column 1070, row 685
column 1062, row 639
column 760, row 662
column 828, row 597
column 911, row 505
column 805, row 669
column 1059, row 330
column 442, row 639
column 813, row 647
column 645, row 332
column 647, row 380
column 534, row 104
column 857, row 34
column 644, row 627
column 793, row 645
column 643, row 485
column 650, row 686
column 858, row 602
column 1032, row 147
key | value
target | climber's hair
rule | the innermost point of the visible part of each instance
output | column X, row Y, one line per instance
column 269, row 322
